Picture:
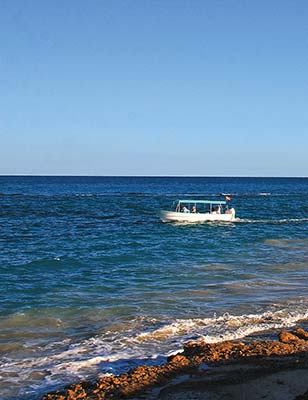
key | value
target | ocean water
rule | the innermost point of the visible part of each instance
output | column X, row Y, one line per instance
column 93, row 283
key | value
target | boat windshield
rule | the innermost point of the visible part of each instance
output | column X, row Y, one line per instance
column 199, row 206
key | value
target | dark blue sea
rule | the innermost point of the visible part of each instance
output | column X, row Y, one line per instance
column 93, row 283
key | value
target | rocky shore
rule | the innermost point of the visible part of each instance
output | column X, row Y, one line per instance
column 263, row 369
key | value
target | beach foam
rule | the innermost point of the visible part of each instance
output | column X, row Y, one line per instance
column 115, row 352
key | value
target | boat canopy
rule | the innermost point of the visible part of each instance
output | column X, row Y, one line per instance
column 202, row 201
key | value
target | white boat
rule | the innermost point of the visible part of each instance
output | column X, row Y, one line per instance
column 199, row 211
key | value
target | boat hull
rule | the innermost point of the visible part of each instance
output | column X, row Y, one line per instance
column 173, row 216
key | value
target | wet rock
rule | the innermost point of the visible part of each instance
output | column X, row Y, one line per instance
column 302, row 396
column 287, row 337
column 140, row 379
column 38, row 375
column 301, row 334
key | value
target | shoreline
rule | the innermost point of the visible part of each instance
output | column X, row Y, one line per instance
column 211, row 371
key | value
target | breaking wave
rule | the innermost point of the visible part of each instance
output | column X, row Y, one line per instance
column 116, row 351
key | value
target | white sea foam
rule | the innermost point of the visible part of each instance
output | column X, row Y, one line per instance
column 116, row 352
column 226, row 327
column 270, row 221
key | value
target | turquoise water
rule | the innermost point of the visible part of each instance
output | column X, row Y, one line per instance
column 92, row 282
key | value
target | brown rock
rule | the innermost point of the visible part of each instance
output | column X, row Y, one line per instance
column 300, row 333
column 286, row 337
column 140, row 379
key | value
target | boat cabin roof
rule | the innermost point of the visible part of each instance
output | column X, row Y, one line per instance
column 202, row 201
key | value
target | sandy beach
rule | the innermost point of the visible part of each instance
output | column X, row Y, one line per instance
column 244, row 382
column 262, row 369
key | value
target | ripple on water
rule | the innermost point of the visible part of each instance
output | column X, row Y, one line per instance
column 93, row 282
column 289, row 266
column 288, row 243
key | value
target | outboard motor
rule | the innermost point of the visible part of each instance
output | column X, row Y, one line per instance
column 232, row 211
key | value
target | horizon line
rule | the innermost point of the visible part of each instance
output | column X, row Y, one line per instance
column 153, row 176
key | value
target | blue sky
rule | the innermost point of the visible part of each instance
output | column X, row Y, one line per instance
column 161, row 87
